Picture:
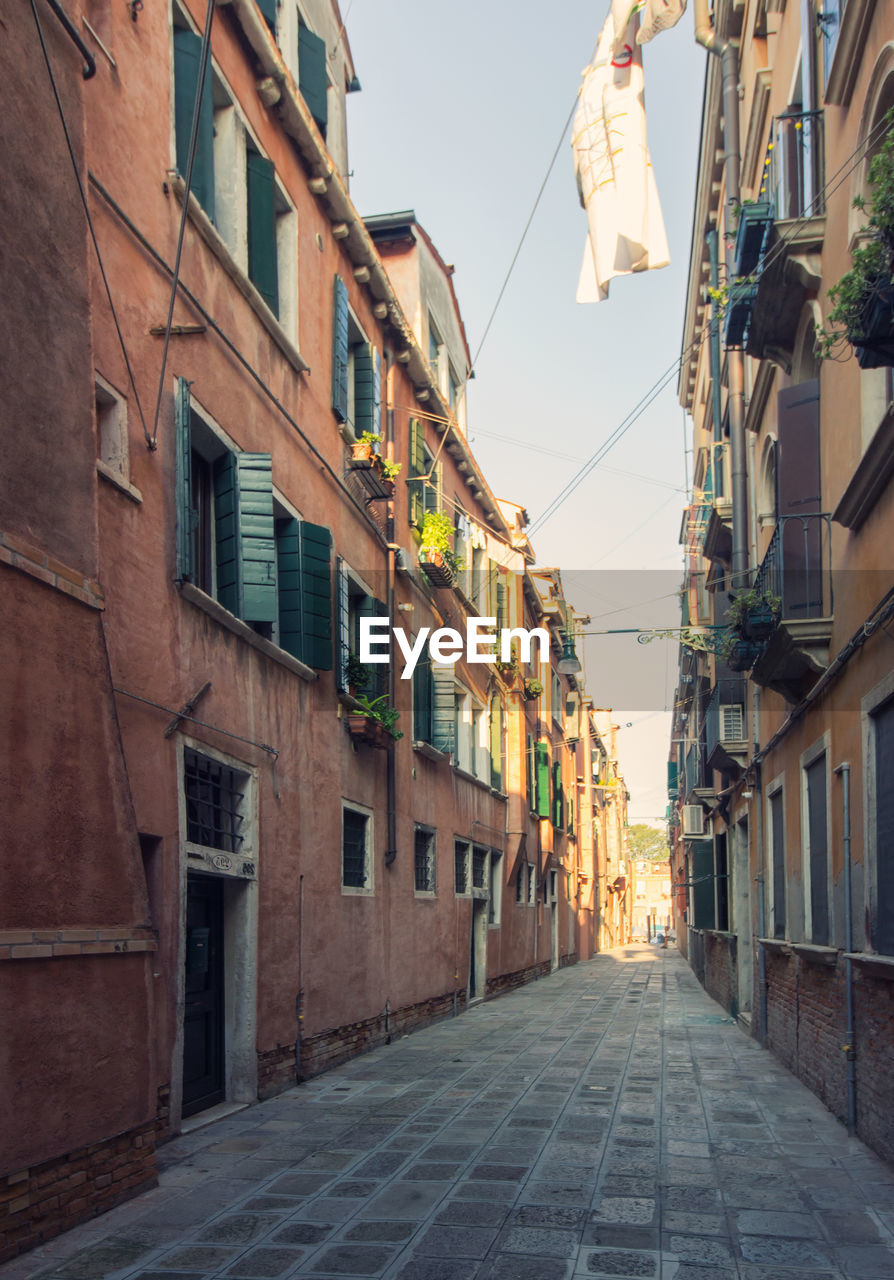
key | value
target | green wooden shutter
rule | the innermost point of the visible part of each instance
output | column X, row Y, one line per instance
column 187, row 61
column 417, row 468
column 312, row 79
column 422, row 701
column 501, row 605
column 443, row 708
column 245, row 549
column 343, row 648
column 496, row 743
column 365, row 389
column 542, row 753
column 530, row 771
column 268, row 12
column 340, row 349
column 186, row 517
column 558, row 815
column 316, row 595
column 262, row 269
column 288, row 585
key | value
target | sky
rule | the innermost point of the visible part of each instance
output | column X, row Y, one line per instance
column 461, row 111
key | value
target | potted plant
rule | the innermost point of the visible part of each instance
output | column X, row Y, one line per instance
column 754, row 614
column 533, row 689
column 391, row 469
column 863, row 299
column 362, row 450
column 738, row 653
column 436, row 549
column 374, row 721
column 357, row 674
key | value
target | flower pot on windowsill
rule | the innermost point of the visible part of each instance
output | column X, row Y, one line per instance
column 875, row 347
column 361, row 452
column 532, row 690
column 368, row 729
column 436, row 567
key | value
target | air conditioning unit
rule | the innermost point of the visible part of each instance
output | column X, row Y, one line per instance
column 693, row 820
column 732, row 722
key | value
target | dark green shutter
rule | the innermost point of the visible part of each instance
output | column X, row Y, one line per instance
column 262, row 270
column 569, row 826
column 496, row 744
column 268, row 12
column 245, row 550
column 531, row 771
column 501, row 604
column 493, row 577
column 340, row 349
column 377, row 681
column 288, row 586
column 312, row 79
column 316, row 595
column 417, row 468
column 443, row 708
column 366, row 389
column 558, row 816
column 185, row 514
column 422, row 701
column 542, row 753
column 343, row 606
column 187, row 61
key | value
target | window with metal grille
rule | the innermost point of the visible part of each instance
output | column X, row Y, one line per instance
column 354, row 849
column 479, row 868
column 531, row 886
column 495, row 885
column 461, row 866
column 424, row 860
column 520, row 883
column 214, row 798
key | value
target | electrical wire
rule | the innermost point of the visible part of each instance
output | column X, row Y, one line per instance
column 83, row 195
column 204, row 58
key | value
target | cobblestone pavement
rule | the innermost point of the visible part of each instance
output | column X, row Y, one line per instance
column 606, row 1121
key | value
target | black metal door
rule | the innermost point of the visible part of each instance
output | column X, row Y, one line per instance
column 203, row 1021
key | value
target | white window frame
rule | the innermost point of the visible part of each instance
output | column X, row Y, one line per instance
column 112, row 444
column 368, row 889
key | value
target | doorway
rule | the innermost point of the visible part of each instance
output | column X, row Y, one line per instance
column 478, row 949
column 204, row 1004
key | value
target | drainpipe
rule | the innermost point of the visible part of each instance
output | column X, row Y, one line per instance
column 761, row 886
column 729, row 62
column 714, row 353
column 390, row 776
column 850, row 1049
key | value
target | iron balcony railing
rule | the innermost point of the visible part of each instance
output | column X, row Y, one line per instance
column 696, row 770
column 797, row 567
column 794, row 170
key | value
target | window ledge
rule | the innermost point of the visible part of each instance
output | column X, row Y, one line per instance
column 217, row 245
column 118, row 482
column 425, row 895
column 189, row 591
column 471, row 777
column 848, row 51
column 429, row 752
column 776, row 944
column 814, row 954
column 870, row 477
column 878, row 966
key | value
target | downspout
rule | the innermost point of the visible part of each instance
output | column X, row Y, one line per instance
column 850, row 1048
column 729, row 62
column 714, row 353
column 390, row 774
column 761, row 889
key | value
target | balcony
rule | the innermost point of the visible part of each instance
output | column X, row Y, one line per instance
column 697, row 781
column 726, row 720
column 797, row 570
column 789, row 268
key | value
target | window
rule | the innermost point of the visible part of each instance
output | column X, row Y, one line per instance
column 521, row 883
column 261, row 196
column 313, row 79
column 815, row 801
column 215, row 797
column 721, row 864
column 111, row 430
column 356, row 370
column 479, row 868
column 187, row 62
column 465, row 753
column 494, row 887
column 777, row 861
column 426, row 476
column 461, row 866
column 557, row 698
column 558, row 797
column 532, row 886
column 496, row 743
column 273, row 573
column 424, row 859
column 355, row 601
column 356, row 850
column 542, row 779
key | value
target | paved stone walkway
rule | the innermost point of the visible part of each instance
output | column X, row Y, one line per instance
column 606, row 1121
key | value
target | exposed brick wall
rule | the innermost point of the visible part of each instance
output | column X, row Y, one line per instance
column 782, row 1007
column 276, row 1070
column 39, row 1203
column 822, row 1022
column 721, row 975
column 566, row 960
column 874, row 1024
column 509, row 981
column 330, row 1048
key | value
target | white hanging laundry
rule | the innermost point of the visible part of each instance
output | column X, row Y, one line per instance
column 658, row 15
column 614, row 173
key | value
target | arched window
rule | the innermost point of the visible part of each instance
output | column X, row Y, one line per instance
column 767, row 494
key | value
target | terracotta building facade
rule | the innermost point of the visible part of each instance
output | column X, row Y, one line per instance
column 247, row 849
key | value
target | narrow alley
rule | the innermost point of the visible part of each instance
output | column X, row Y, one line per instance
column 608, row 1120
